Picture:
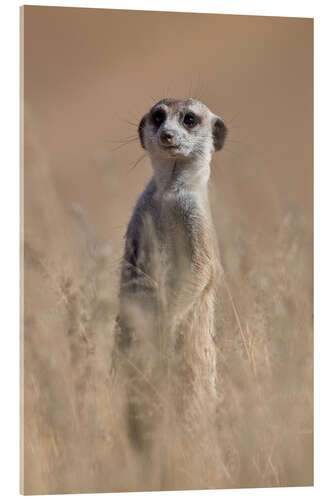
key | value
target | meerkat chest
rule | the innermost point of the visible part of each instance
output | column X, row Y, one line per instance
column 179, row 217
column 184, row 230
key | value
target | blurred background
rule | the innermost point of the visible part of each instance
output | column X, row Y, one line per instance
column 88, row 76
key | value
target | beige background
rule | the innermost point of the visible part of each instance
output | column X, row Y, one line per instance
column 88, row 73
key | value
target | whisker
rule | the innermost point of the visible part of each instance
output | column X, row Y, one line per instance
column 124, row 144
column 126, row 139
column 138, row 161
column 230, row 151
column 199, row 93
column 233, row 140
column 131, row 123
column 232, row 119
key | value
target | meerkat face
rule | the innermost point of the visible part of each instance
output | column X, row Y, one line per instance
column 181, row 129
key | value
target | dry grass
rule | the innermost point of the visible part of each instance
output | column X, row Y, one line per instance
column 74, row 430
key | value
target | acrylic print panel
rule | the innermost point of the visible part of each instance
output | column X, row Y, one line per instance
column 145, row 367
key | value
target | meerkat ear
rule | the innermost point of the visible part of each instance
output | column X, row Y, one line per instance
column 140, row 130
column 219, row 133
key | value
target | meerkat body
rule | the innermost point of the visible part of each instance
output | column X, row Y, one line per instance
column 170, row 272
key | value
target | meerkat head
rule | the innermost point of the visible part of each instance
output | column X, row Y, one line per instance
column 181, row 129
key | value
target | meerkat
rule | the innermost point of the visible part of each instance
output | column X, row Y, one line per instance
column 170, row 272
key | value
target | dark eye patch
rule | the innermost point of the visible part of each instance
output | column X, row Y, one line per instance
column 190, row 120
column 158, row 117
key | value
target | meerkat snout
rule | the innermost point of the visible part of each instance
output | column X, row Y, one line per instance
column 166, row 137
column 182, row 128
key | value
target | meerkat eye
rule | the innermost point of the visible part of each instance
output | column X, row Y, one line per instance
column 190, row 120
column 158, row 117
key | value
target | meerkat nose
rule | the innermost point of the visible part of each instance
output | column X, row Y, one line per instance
column 166, row 137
